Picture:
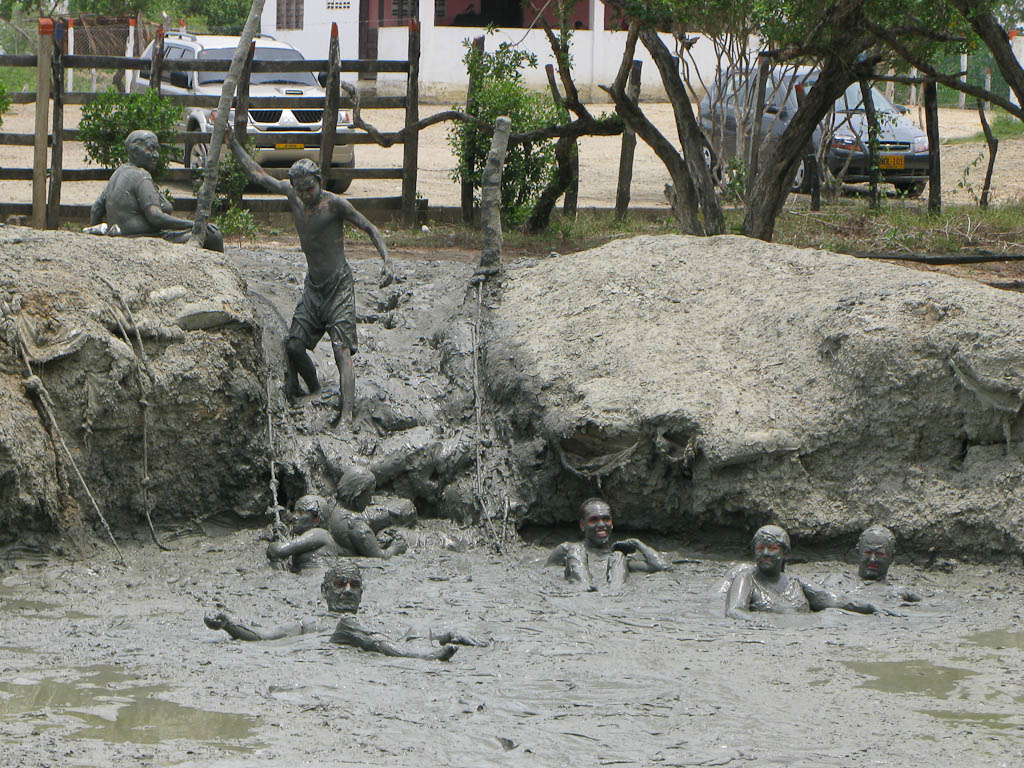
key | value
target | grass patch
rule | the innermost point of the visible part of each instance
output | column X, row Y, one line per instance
column 16, row 79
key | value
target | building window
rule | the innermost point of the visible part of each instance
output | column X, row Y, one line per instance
column 440, row 8
column 404, row 9
column 339, row 5
column 289, row 14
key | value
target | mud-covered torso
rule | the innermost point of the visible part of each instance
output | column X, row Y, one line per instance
column 601, row 566
column 128, row 194
column 322, row 236
column 790, row 598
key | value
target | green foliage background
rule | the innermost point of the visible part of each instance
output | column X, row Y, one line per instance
column 529, row 165
column 108, row 120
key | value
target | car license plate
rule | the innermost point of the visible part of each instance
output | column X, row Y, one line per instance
column 300, row 146
column 891, row 162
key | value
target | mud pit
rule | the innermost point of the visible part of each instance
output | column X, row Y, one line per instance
column 104, row 665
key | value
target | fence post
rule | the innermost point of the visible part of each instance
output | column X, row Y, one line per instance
column 155, row 64
column 57, row 153
column 912, row 95
column 71, row 52
column 988, row 86
column 410, row 154
column 242, row 99
column 330, row 118
column 44, row 53
column 129, row 50
column 963, row 79
column 931, row 121
column 467, row 185
column 490, row 198
column 628, row 146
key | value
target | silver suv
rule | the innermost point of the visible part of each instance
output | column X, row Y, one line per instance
column 179, row 45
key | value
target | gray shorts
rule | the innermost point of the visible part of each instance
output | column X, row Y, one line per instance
column 329, row 308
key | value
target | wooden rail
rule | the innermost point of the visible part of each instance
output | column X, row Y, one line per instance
column 51, row 64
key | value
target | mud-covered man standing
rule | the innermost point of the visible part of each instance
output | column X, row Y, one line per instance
column 328, row 295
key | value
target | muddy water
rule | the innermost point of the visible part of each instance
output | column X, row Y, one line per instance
column 100, row 664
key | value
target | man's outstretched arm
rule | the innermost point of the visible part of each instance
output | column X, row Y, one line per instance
column 347, row 633
column 820, row 598
column 241, row 632
column 650, row 560
column 346, row 211
column 252, row 169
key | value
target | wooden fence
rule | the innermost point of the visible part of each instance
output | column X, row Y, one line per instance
column 46, row 209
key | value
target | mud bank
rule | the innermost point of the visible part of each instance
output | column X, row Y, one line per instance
column 725, row 381
column 197, row 376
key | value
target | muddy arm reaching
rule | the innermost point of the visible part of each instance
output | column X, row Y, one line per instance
column 241, row 632
column 311, row 540
column 347, row 633
column 820, row 598
column 252, row 169
column 557, row 556
column 737, row 601
column 651, row 561
column 344, row 209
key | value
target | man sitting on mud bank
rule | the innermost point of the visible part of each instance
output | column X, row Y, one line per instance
column 876, row 550
column 325, row 530
column 342, row 590
column 765, row 587
column 131, row 205
column 595, row 561
column 328, row 303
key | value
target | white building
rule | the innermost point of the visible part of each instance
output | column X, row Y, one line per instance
column 377, row 29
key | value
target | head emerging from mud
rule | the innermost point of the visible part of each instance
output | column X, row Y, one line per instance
column 596, row 522
column 342, row 588
column 876, row 548
column 306, row 180
column 143, row 149
column 771, row 548
column 310, row 512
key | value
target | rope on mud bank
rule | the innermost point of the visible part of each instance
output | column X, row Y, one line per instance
column 140, row 361
column 479, row 428
column 279, row 527
column 35, row 387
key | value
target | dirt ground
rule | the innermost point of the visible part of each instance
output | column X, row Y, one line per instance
column 108, row 665
column 599, row 158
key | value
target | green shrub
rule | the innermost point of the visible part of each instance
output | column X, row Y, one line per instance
column 107, row 121
column 5, row 102
column 238, row 221
column 500, row 91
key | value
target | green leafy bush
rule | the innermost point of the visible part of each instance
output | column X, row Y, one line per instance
column 107, row 121
column 500, row 91
column 5, row 102
column 238, row 221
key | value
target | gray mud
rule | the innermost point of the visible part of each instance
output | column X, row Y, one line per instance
column 101, row 665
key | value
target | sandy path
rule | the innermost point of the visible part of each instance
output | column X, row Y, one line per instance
column 599, row 158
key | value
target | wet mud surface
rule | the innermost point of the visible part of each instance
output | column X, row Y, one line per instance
column 105, row 665
column 108, row 665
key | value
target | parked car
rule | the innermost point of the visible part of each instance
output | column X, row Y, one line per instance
column 179, row 45
column 728, row 107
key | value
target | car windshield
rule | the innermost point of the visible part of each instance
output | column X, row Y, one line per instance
column 257, row 78
column 851, row 101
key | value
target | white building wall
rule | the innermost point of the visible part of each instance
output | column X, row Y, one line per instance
column 1018, row 50
column 596, row 54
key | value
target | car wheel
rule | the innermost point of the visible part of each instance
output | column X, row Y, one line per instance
column 711, row 161
column 195, row 154
column 338, row 186
column 910, row 188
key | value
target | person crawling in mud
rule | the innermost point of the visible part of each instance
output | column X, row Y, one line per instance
column 325, row 530
column 342, row 590
column 597, row 562
column 132, row 206
column 328, row 302
column 766, row 587
column 876, row 549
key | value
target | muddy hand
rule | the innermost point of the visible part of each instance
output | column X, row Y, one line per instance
column 217, row 621
column 387, row 274
column 626, row 546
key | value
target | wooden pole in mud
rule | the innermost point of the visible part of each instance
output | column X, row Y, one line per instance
column 490, row 198
column 333, row 88
column 931, row 122
column 57, row 152
column 411, row 147
column 39, row 165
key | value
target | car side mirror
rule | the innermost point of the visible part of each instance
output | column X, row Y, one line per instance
column 322, row 79
column 179, row 79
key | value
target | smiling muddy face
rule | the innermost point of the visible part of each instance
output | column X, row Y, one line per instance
column 876, row 548
column 596, row 522
column 771, row 547
column 342, row 588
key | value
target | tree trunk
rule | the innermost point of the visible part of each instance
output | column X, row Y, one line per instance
column 540, row 216
column 204, row 201
column 996, row 40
